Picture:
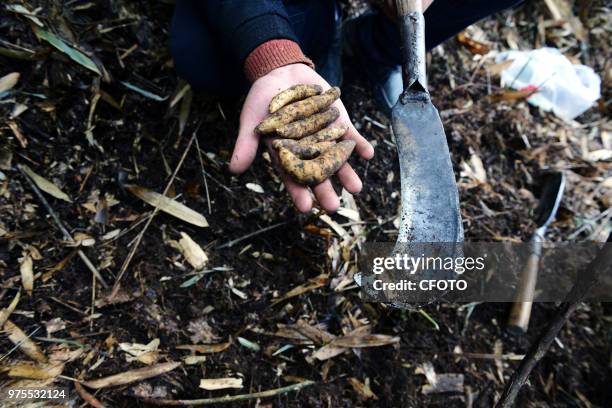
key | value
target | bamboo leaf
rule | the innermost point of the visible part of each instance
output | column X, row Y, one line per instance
column 45, row 185
column 168, row 205
column 143, row 92
column 25, row 344
column 193, row 253
column 212, row 384
column 8, row 82
column 27, row 273
column 74, row 54
column 132, row 375
column 6, row 312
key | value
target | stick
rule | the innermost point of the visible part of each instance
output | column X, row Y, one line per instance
column 61, row 227
column 203, row 175
column 601, row 265
column 230, row 398
column 87, row 397
column 128, row 259
column 247, row 236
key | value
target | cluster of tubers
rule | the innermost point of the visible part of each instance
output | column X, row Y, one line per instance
column 307, row 148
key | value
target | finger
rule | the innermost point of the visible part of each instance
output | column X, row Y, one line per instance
column 245, row 149
column 299, row 194
column 349, row 179
column 363, row 147
column 326, row 196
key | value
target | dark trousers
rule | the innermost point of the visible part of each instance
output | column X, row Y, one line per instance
column 203, row 61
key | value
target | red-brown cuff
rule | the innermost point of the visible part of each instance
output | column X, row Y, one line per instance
column 273, row 54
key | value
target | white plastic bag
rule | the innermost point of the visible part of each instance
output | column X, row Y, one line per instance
column 566, row 89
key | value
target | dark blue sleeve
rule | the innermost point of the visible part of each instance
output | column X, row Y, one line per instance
column 242, row 25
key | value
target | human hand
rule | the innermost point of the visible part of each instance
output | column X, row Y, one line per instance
column 255, row 109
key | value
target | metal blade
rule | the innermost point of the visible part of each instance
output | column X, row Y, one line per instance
column 430, row 202
column 552, row 192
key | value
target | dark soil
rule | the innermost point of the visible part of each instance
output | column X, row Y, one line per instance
column 140, row 143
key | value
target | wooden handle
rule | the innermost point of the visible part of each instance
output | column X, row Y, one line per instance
column 408, row 6
column 518, row 322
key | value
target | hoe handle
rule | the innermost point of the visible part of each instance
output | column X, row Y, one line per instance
column 412, row 30
column 407, row 6
column 520, row 313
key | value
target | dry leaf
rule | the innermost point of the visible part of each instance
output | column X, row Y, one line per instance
column 427, row 369
column 64, row 354
column 6, row 312
column 132, row 375
column 61, row 265
column 364, row 340
column 313, row 333
column 600, row 155
column 513, row 95
column 205, row 348
column 363, row 390
column 474, row 170
column 249, row 344
column 87, row 397
column 8, row 81
column 349, row 213
column 445, row 383
column 358, row 338
column 475, row 47
column 439, row 383
column 17, row 132
column 255, row 187
column 145, row 353
column 45, row 185
column 168, row 205
column 342, row 233
column 193, row 360
column 328, row 351
column 220, row 383
column 82, row 239
column 312, row 284
column 54, row 325
column 36, row 373
column 193, row 253
column 25, row 344
column 313, row 229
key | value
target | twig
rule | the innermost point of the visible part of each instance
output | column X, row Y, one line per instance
column 74, row 309
column 231, row 398
column 87, row 397
column 142, row 219
column 487, row 356
column 252, row 234
column 600, row 266
column 18, row 344
column 128, row 259
column 203, row 175
column 61, row 227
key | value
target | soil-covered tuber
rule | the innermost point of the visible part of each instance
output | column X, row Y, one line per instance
column 295, row 93
column 306, row 151
column 317, row 170
column 325, row 135
column 308, row 126
column 298, row 110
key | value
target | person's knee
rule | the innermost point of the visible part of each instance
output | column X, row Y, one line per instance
column 193, row 51
column 183, row 36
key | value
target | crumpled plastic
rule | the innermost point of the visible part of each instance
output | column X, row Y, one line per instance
column 566, row 89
